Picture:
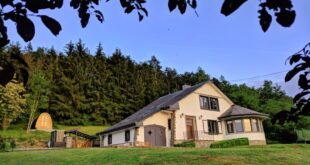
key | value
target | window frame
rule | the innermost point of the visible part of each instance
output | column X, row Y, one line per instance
column 169, row 125
column 241, row 126
column 110, row 139
column 127, row 135
column 213, row 127
column 232, row 126
column 209, row 103
column 256, row 125
column 201, row 102
column 217, row 104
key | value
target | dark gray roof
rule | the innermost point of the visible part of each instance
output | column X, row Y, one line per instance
column 165, row 102
column 238, row 111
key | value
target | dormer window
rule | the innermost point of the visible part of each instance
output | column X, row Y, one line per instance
column 209, row 103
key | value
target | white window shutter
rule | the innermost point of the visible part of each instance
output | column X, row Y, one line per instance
column 220, row 126
column 205, row 126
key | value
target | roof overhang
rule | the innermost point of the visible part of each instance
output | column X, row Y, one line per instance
column 81, row 134
column 131, row 125
column 261, row 116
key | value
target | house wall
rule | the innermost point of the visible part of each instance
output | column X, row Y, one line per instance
column 190, row 106
column 255, row 138
column 118, row 138
column 159, row 118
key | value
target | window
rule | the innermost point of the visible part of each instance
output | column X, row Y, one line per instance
column 204, row 102
column 209, row 103
column 110, row 139
column 238, row 124
column 214, row 103
column 213, row 127
column 169, row 124
column 230, row 126
column 247, row 125
column 254, row 123
column 127, row 135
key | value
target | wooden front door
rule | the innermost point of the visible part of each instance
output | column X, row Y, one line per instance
column 190, row 127
column 155, row 135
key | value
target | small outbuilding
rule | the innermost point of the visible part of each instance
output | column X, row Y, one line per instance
column 44, row 122
column 77, row 139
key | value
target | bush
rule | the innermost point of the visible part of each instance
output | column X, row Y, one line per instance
column 186, row 144
column 7, row 144
column 230, row 143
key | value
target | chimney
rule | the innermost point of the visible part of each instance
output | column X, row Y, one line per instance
column 185, row 86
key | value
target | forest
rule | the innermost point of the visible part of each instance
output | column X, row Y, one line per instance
column 80, row 88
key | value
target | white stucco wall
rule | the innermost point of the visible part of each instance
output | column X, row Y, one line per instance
column 250, row 135
column 159, row 118
column 190, row 106
column 118, row 138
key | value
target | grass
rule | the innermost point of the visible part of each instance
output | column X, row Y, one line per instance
column 40, row 138
column 92, row 130
column 23, row 139
column 271, row 154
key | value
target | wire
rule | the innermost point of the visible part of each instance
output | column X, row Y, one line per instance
column 260, row 76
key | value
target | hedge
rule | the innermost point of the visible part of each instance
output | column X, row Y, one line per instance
column 7, row 144
column 230, row 143
column 186, row 144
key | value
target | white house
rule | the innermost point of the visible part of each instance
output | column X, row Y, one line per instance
column 201, row 113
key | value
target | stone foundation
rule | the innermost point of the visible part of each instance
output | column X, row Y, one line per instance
column 257, row 142
column 203, row 143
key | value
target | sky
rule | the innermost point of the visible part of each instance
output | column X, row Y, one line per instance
column 233, row 46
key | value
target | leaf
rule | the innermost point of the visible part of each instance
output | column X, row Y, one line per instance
column 51, row 24
column 303, row 82
column 96, row 2
column 294, row 71
column 25, row 75
column 25, row 28
column 140, row 16
column 75, row 3
column 286, row 18
column 182, row 6
column 99, row 15
column 145, row 11
column 281, row 116
column 129, row 9
column 300, row 95
column 59, row 3
column 84, row 20
column 172, row 4
column 264, row 19
column 229, row 6
column 295, row 58
column 5, row 2
column 3, row 32
column 7, row 72
column 194, row 4
column 124, row 3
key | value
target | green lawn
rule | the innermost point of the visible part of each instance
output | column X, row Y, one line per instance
column 37, row 139
column 271, row 154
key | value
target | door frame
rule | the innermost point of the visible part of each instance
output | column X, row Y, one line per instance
column 195, row 126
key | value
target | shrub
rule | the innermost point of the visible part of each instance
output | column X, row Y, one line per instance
column 186, row 144
column 7, row 144
column 230, row 143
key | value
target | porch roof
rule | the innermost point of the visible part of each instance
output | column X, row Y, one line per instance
column 237, row 111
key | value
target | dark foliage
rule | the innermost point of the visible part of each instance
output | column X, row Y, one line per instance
column 301, row 60
column 186, row 144
column 230, row 143
column 11, row 63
